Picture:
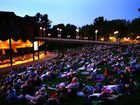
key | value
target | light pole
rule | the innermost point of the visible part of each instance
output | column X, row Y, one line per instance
column 68, row 36
column 10, row 46
column 41, row 31
column 102, row 39
column 33, row 51
column 57, row 31
column 96, row 31
column 44, row 29
column 60, row 32
column 116, row 33
column 138, row 37
column 49, row 35
column 77, row 34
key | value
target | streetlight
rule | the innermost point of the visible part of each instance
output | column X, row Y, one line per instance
column 96, row 31
column 68, row 36
column 138, row 37
column 41, row 31
column 59, row 35
column 60, row 32
column 49, row 35
column 116, row 33
column 44, row 29
column 77, row 34
column 57, row 31
column 102, row 39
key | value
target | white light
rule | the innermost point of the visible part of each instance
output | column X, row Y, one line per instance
column 85, row 37
column 60, row 29
column 138, row 37
column 44, row 29
column 116, row 32
column 96, row 31
column 68, row 36
column 40, row 28
column 102, row 39
column 77, row 30
column 59, row 35
column 57, row 29
column 35, row 46
column 49, row 34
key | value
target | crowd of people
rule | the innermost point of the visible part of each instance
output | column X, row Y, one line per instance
column 31, row 83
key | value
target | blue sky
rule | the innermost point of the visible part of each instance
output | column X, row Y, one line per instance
column 77, row 12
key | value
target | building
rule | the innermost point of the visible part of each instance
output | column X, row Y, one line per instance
column 16, row 27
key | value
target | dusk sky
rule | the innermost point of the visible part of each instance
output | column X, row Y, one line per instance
column 77, row 12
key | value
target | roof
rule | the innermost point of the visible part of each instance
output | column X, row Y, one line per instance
column 7, row 14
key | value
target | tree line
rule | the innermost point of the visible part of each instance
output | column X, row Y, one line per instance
column 105, row 29
column 29, row 27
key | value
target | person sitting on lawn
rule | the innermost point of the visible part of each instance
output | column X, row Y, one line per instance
column 73, row 86
column 131, row 86
column 11, row 95
column 38, row 81
column 39, row 97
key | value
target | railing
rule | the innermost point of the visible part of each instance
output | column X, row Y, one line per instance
column 78, row 41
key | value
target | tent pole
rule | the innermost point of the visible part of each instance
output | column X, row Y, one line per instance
column 10, row 46
column 33, row 52
column 38, row 50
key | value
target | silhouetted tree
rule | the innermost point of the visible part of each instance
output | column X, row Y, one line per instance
column 87, row 31
column 70, row 30
column 38, row 18
column 45, row 21
column 134, row 27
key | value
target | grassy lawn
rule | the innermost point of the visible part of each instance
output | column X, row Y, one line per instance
column 132, row 99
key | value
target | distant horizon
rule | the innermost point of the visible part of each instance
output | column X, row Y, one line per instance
column 76, row 12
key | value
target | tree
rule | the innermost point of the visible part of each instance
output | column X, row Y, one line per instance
column 102, row 26
column 106, row 28
column 119, row 25
column 70, row 30
column 38, row 18
column 87, row 31
column 45, row 21
column 134, row 27
column 54, row 31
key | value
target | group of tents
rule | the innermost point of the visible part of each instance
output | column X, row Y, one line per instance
column 5, row 45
